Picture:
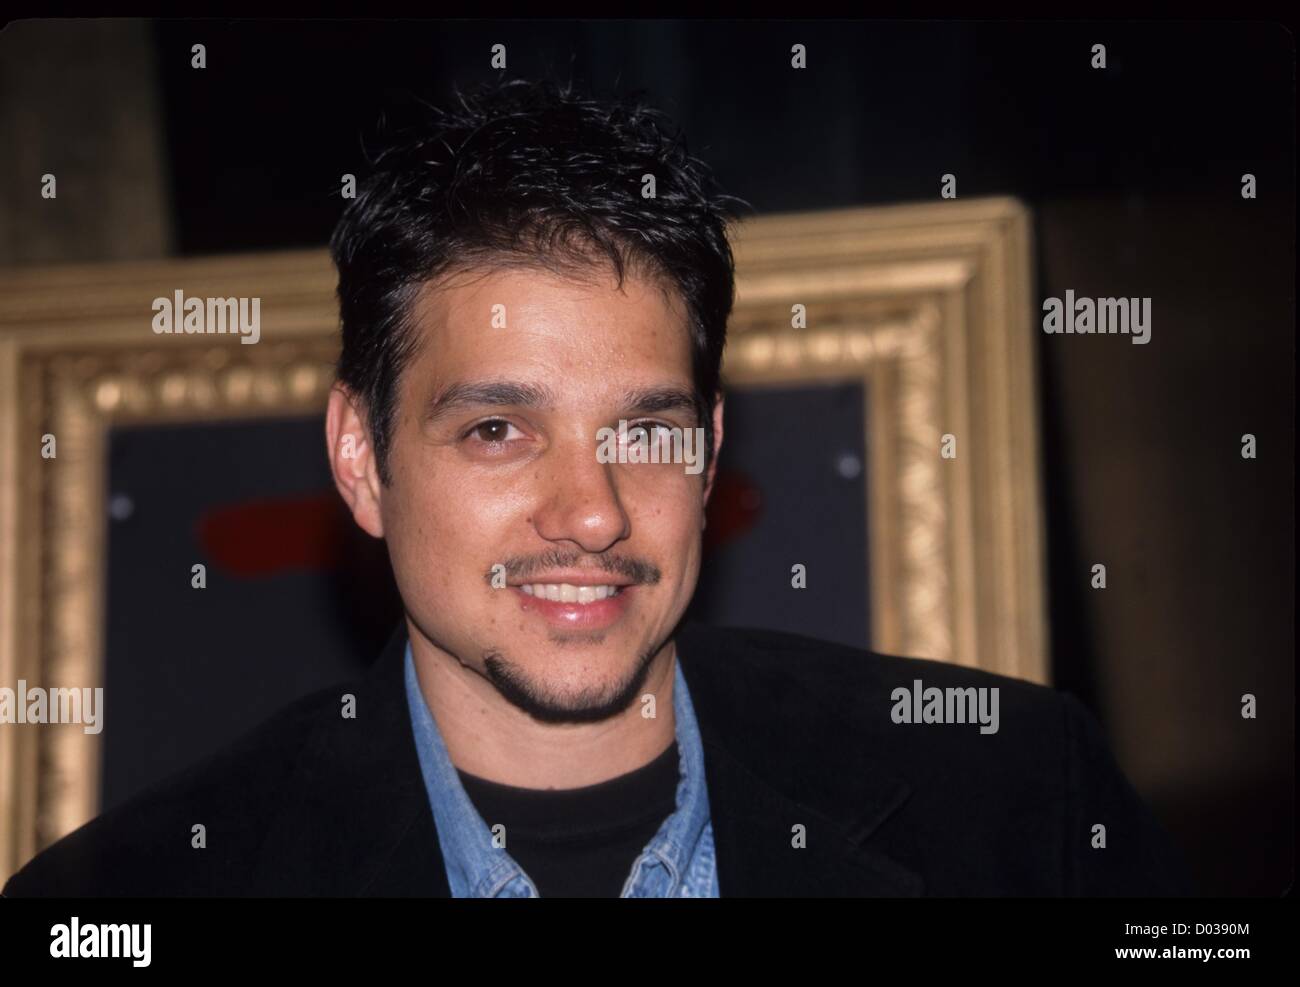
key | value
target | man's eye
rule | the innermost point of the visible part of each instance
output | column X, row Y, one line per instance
column 493, row 431
column 649, row 431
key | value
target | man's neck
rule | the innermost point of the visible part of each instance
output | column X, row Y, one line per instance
column 491, row 738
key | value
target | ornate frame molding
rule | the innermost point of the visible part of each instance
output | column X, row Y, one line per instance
column 928, row 305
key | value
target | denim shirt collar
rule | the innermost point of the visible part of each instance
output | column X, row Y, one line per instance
column 679, row 861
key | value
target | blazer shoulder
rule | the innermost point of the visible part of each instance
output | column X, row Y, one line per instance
column 1019, row 792
column 149, row 844
column 934, row 725
column 846, row 677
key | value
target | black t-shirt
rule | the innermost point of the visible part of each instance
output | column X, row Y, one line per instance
column 580, row 842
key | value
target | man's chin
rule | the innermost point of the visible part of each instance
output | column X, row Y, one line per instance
column 554, row 698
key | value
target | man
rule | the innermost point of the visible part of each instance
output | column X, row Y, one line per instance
column 521, row 279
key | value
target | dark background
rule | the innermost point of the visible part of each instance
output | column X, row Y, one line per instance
column 1133, row 175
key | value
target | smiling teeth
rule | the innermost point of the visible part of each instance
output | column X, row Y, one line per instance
column 567, row 593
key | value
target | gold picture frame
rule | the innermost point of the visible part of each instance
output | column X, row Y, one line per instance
column 927, row 305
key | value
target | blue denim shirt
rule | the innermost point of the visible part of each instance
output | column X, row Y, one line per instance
column 678, row 862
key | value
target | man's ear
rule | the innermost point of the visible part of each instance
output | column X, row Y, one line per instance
column 712, row 472
column 352, row 460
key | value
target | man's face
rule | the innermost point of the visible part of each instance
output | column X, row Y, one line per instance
column 494, row 470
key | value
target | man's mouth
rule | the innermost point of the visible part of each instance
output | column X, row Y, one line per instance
column 594, row 606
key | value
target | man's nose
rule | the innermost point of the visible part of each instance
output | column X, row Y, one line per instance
column 580, row 501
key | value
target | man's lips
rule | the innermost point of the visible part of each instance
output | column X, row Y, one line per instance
column 573, row 614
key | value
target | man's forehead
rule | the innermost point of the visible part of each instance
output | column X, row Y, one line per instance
column 531, row 297
column 537, row 329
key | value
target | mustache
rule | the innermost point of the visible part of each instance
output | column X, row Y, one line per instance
column 520, row 567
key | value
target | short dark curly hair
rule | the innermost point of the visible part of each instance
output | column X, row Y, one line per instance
column 532, row 173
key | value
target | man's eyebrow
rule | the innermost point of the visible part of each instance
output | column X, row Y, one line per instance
column 655, row 400
column 466, row 394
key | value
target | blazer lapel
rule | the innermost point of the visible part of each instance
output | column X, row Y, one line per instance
column 756, row 830
column 791, row 816
column 355, row 818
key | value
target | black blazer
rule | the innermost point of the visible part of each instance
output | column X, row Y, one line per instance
column 796, row 732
